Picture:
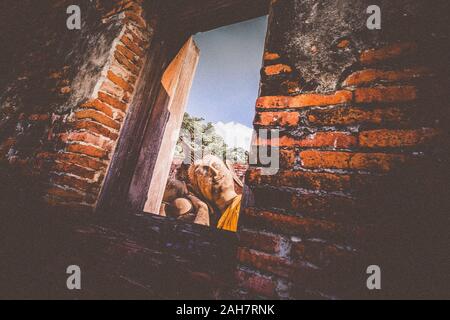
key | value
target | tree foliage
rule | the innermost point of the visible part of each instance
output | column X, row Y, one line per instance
column 203, row 139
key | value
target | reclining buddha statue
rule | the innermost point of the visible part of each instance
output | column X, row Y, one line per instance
column 204, row 193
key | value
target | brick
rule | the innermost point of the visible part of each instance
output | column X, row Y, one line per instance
column 81, row 160
column 76, row 183
column 97, row 116
column 291, row 86
column 137, row 37
column 351, row 115
column 385, row 94
column 277, row 69
column 288, row 158
column 301, row 179
column 341, row 140
column 273, row 102
column 113, row 90
column 304, row 100
column 66, row 194
column 129, row 16
column 112, row 101
column 343, row 44
column 88, row 137
column 270, row 56
column 87, row 150
column 39, row 117
column 328, row 206
column 120, row 82
column 98, row 105
column 396, row 138
column 132, row 46
column 6, row 145
column 125, row 74
column 75, row 207
column 299, row 226
column 65, row 167
column 266, row 262
column 122, row 60
column 396, row 50
column 130, row 55
column 351, row 161
column 310, row 100
column 285, row 119
column 320, row 254
column 95, row 128
column 260, row 241
column 255, row 283
column 120, row 7
column 372, row 75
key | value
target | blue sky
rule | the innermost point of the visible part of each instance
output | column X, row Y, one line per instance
column 226, row 82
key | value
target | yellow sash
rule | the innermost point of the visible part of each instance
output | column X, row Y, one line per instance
column 229, row 219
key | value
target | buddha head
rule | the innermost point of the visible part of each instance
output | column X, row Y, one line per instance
column 214, row 180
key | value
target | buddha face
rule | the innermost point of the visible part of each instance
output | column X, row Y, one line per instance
column 211, row 177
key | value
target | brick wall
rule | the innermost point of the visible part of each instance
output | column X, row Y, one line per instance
column 352, row 108
column 66, row 103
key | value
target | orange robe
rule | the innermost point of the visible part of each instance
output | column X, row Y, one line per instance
column 229, row 219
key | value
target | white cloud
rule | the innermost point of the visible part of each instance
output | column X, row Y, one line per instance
column 236, row 135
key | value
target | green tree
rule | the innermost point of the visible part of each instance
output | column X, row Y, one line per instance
column 202, row 138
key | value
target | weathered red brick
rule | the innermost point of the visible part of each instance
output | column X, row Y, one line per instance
column 385, row 94
column 112, row 101
column 301, row 179
column 120, row 82
column 389, row 52
column 65, row 167
column 310, row 100
column 277, row 119
column 332, row 207
column 130, row 55
column 351, row 115
column 277, row 69
column 255, row 283
column 320, row 254
column 76, row 183
column 66, row 194
column 270, row 56
column 132, row 46
column 113, row 90
column 266, row 262
column 304, row 100
column 87, row 150
column 373, row 75
column 288, row 158
column 95, row 128
column 120, row 71
column 396, row 138
column 80, row 160
column 122, row 60
column 261, row 241
column 343, row 44
column 298, row 226
column 6, row 145
column 87, row 137
column 136, row 36
column 351, row 161
column 342, row 140
column 97, row 116
column 273, row 102
column 39, row 117
column 140, row 22
column 98, row 105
